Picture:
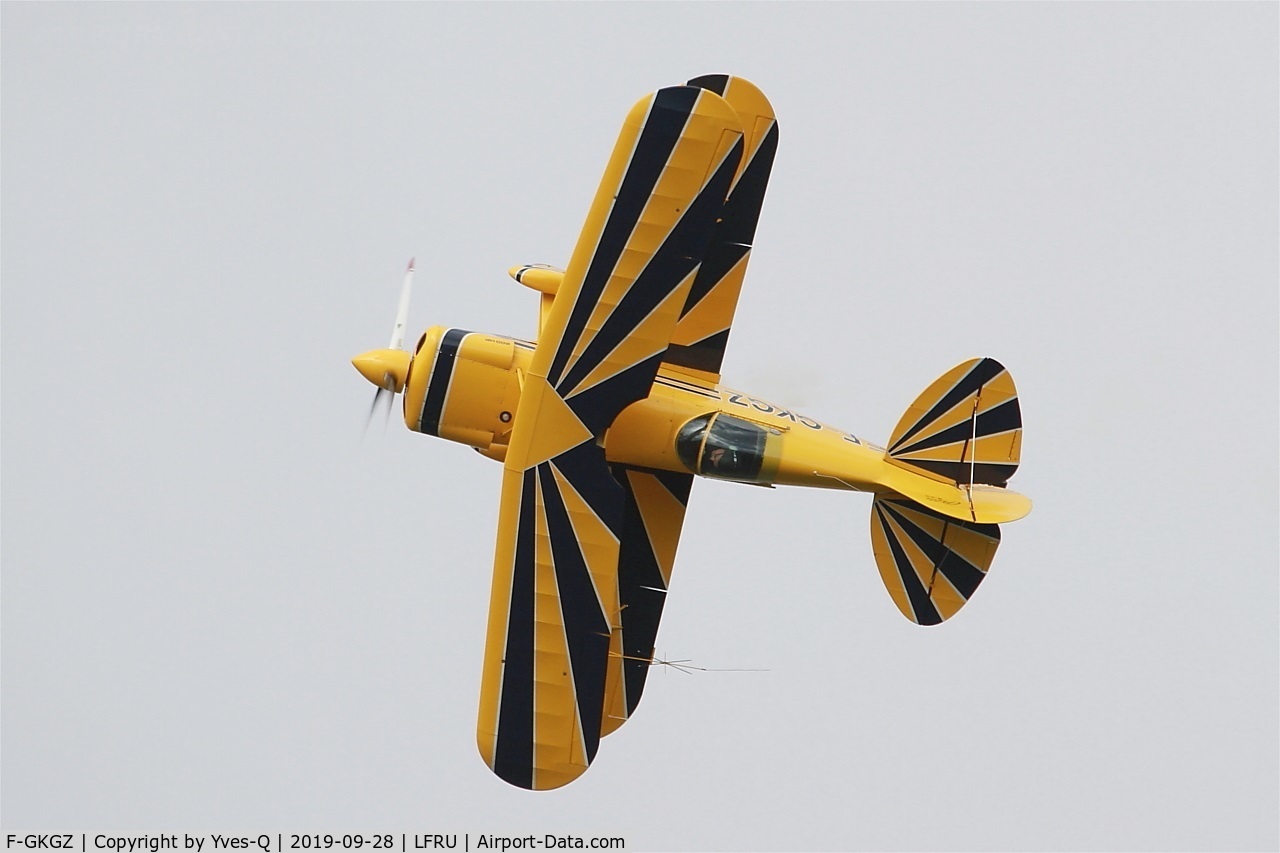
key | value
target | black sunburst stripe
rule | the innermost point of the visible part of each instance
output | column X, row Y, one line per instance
column 717, row 83
column 663, row 128
column 597, row 406
column 641, row 590
column 513, row 749
column 679, row 485
column 586, row 626
column 1005, row 417
column 962, row 574
column 721, row 258
column 980, row 374
column 669, row 266
column 735, row 233
column 730, row 243
column 587, row 472
column 706, row 354
column 967, row 473
column 917, row 595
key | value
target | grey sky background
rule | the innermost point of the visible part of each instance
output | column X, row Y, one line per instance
column 225, row 611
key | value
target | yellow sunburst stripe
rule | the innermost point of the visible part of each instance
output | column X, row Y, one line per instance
column 997, row 390
column 598, row 544
column 963, row 411
column 888, row 567
column 663, row 517
column 570, row 288
column 945, row 597
column 648, row 339
column 920, row 562
column 557, row 739
column 931, row 396
column 756, row 113
column 499, row 613
column 714, row 312
column 906, row 558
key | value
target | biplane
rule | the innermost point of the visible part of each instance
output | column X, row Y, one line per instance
column 603, row 423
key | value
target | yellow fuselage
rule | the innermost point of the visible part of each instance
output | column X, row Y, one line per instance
column 466, row 387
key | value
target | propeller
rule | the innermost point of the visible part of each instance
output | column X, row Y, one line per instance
column 387, row 368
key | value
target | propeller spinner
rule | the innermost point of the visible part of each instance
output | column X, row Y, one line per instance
column 387, row 368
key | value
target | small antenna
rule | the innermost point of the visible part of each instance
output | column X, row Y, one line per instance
column 685, row 665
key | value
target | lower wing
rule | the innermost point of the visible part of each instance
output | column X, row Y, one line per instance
column 551, row 616
column 652, row 518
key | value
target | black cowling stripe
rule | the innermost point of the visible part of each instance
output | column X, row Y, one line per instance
column 586, row 627
column 663, row 127
column 917, row 595
column 513, row 752
column 981, row 373
column 678, row 255
column 438, row 384
column 962, row 574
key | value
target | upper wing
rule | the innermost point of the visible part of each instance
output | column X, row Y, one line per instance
column 703, row 330
column 555, row 603
column 635, row 261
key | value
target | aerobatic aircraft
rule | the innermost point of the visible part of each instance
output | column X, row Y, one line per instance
column 602, row 424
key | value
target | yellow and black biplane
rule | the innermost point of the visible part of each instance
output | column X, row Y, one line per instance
column 603, row 423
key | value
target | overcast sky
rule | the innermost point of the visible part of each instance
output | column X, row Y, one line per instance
column 224, row 610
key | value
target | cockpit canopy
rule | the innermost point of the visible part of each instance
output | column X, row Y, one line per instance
column 722, row 446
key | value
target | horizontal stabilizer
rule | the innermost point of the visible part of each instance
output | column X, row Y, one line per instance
column 930, row 563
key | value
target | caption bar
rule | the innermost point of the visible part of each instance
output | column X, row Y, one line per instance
column 280, row 843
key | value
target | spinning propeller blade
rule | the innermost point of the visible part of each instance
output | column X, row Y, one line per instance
column 402, row 311
column 382, row 397
column 388, row 368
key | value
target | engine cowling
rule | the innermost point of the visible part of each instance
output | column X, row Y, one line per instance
column 463, row 386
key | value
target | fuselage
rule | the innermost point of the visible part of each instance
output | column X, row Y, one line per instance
column 466, row 387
